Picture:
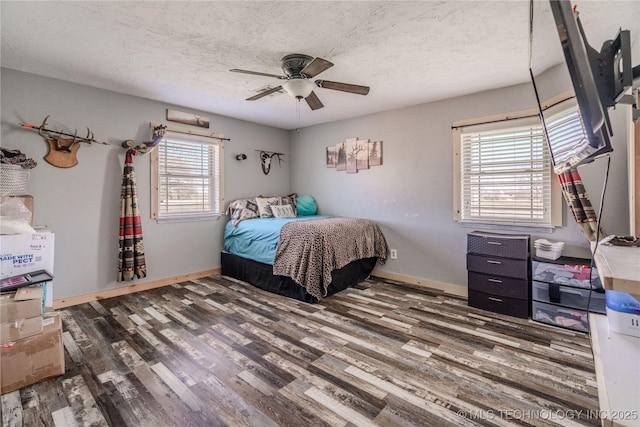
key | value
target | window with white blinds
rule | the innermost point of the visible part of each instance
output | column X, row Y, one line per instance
column 188, row 178
column 505, row 174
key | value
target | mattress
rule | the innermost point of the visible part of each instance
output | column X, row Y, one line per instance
column 257, row 239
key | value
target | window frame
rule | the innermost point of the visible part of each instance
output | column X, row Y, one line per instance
column 555, row 205
column 216, row 180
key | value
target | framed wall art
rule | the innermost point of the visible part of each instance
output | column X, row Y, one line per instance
column 187, row 118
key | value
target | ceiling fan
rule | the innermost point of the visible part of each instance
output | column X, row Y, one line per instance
column 299, row 69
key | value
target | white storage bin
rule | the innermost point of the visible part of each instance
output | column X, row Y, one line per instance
column 623, row 313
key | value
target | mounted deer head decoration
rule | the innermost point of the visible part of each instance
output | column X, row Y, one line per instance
column 265, row 160
column 62, row 151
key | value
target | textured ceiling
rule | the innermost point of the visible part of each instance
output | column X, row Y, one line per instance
column 181, row 52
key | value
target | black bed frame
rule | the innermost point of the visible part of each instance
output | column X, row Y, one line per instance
column 261, row 276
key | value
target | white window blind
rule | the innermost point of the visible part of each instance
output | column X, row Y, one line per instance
column 505, row 174
column 188, row 177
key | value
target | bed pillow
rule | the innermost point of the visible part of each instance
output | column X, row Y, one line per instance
column 283, row 211
column 264, row 205
column 289, row 200
column 306, row 205
column 242, row 209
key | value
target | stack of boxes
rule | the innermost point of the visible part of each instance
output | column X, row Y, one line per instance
column 31, row 347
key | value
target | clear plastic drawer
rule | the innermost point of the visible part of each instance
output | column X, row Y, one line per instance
column 567, row 296
column 575, row 275
column 560, row 316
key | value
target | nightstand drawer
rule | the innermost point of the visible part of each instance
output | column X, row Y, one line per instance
column 499, row 285
column 567, row 296
column 502, row 245
column 516, row 268
column 511, row 306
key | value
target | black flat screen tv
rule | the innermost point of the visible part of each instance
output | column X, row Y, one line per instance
column 577, row 128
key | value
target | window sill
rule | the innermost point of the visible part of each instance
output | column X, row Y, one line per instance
column 512, row 227
column 187, row 218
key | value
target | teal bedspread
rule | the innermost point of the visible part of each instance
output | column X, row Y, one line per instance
column 257, row 238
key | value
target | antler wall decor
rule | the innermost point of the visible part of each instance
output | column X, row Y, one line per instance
column 62, row 151
column 265, row 160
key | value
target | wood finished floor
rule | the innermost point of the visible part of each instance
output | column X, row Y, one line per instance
column 215, row 352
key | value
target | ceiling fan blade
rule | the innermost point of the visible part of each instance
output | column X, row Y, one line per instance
column 315, row 67
column 344, row 87
column 314, row 101
column 235, row 70
column 265, row 93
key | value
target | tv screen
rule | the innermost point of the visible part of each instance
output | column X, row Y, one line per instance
column 572, row 94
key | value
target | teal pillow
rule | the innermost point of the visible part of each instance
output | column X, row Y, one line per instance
column 306, row 205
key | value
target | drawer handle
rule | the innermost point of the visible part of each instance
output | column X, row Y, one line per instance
column 490, row 261
column 495, row 299
column 494, row 243
column 494, row 280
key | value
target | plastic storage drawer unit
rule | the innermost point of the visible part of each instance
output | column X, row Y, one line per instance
column 499, row 272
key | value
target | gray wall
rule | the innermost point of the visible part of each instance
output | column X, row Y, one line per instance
column 411, row 194
column 81, row 204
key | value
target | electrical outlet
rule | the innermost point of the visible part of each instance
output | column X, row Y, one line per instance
column 394, row 254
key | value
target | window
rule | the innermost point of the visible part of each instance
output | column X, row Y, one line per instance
column 186, row 175
column 504, row 174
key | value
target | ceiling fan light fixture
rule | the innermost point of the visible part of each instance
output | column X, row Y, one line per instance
column 299, row 88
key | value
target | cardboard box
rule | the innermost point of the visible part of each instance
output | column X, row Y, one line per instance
column 26, row 200
column 24, row 253
column 33, row 359
column 12, row 310
column 20, row 329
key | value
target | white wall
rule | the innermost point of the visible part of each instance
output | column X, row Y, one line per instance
column 411, row 194
column 81, row 204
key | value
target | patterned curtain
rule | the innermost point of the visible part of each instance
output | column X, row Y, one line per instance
column 578, row 201
column 131, row 260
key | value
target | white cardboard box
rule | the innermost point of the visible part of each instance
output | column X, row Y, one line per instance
column 25, row 253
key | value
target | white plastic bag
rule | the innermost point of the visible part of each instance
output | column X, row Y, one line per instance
column 15, row 217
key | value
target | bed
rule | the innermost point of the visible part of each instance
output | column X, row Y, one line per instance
column 303, row 257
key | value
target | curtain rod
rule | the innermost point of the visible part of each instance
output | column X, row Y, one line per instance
column 551, row 103
column 192, row 132
column 506, row 119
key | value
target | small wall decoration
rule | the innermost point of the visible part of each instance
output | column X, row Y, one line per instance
column 375, row 153
column 362, row 154
column 188, row 118
column 354, row 154
column 146, row 147
column 266, row 160
column 332, row 157
column 341, row 154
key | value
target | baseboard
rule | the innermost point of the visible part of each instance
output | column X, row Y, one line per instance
column 123, row 290
column 448, row 288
